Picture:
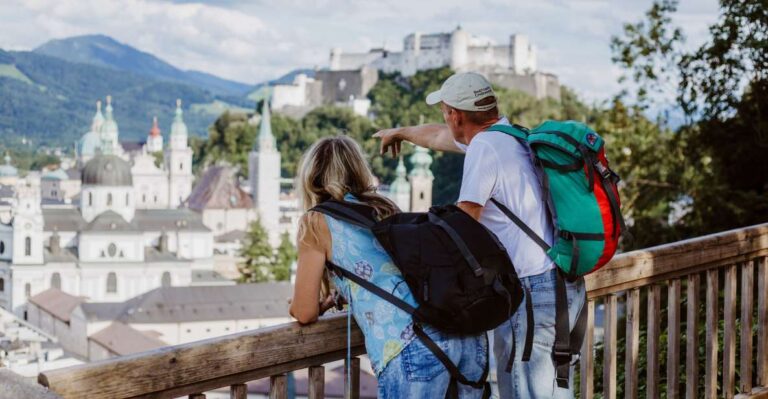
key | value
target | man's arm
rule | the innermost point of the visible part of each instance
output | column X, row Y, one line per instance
column 433, row 136
column 471, row 208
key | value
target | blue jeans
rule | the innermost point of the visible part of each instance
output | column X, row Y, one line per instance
column 536, row 377
column 417, row 373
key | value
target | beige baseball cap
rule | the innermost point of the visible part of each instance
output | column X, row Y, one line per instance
column 462, row 91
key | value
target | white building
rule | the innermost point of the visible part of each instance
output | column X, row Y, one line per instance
column 106, row 250
column 166, row 186
column 512, row 65
column 161, row 317
column 458, row 50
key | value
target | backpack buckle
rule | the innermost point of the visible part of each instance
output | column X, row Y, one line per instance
column 561, row 355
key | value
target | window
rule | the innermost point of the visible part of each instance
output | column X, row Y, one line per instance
column 2, row 284
column 2, row 247
column 27, row 290
column 144, row 198
column 155, row 198
column 56, row 280
column 90, row 198
column 421, row 195
column 181, row 166
column 28, row 246
column 112, row 250
column 127, row 199
column 165, row 281
column 111, row 283
column 109, row 199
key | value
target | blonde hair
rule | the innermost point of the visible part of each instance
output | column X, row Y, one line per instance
column 332, row 168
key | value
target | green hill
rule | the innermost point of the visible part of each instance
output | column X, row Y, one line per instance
column 49, row 100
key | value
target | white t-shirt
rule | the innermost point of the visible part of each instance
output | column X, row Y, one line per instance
column 498, row 166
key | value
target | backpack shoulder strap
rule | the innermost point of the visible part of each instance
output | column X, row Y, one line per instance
column 357, row 214
column 516, row 131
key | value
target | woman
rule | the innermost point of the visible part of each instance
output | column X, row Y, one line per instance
column 335, row 168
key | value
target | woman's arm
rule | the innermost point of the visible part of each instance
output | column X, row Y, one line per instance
column 306, row 306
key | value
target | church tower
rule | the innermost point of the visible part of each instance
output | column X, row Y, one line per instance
column 155, row 138
column 264, row 175
column 400, row 189
column 421, row 180
column 28, row 224
column 110, row 134
column 178, row 161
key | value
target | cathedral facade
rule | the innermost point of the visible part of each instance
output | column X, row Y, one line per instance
column 126, row 233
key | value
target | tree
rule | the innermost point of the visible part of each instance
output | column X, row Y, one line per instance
column 258, row 254
column 286, row 256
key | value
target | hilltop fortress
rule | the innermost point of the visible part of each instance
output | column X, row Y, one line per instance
column 350, row 76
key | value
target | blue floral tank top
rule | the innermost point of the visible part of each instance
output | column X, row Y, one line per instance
column 387, row 329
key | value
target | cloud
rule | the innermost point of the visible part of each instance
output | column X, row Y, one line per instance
column 252, row 41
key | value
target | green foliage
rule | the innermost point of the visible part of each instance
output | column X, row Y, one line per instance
column 262, row 263
column 649, row 52
column 230, row 139
column 258, row 254
column 714, row 76
column 286, row 255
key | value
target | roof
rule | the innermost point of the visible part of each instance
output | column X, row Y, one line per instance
column 70, row 219
column 232, row 236
column 110, row 221
column 58, row 174
column 209, row 277
column 152, row 254
column 57, row 302
column 62, row 219
column 123, row 339
column 218, row 189
column 132, row 146
column 68, row 254
column 107, row 170
column 169, row 220
column 197, row 303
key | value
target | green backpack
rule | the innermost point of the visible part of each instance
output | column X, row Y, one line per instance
column 580, row 191
column 583, row 201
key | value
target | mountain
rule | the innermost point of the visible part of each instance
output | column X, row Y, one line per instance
column 52, row 101
column 104, row 51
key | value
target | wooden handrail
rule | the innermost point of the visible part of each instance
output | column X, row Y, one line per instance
column 271, row 352
column 647, row 266
column 209, row 364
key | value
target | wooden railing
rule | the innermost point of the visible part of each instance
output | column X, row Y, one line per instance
column 696, row 268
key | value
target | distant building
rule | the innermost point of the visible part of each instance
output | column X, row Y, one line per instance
column 161, row 317
column 512, row 65
column 9, row 175
column 264, row 175
column 340, row 88
column 421, row 178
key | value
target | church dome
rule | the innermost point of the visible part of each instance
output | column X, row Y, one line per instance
column 89, row 144
column 107, row 170
column 58, row 174
column 8, row 170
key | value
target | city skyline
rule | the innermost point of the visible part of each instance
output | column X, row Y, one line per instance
column 254, row 42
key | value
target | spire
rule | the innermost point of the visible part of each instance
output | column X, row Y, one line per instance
column 178, row 127
column 265, row 141
column 98, row 118
column 155, row 131
column 400, row 184
column 108, row 109
column 421, row 161
column 109, row 131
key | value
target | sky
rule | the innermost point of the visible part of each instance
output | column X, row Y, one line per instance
column 258, row 40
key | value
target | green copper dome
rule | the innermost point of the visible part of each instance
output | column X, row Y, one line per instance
column 400, row 185
column 8, row 170
column 107, row 170
column 421, row 161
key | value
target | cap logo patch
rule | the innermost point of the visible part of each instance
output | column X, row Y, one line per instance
column 591, row 138
column 481, row 92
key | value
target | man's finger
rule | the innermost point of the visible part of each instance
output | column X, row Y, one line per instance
column 399, row 143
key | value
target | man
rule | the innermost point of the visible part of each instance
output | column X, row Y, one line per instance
column 499, row 167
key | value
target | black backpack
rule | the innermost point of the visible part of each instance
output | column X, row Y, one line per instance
column 457, row 270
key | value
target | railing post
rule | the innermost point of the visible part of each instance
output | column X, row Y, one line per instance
column 710, row 372
column 654, row 330
column 278, row 387
column 609, row 347
column 729, row 333
column 316, row 381
column 673, row 339
column 762, row 322
column 197, row 396
column 633, row 344
column 587, row 354
column 692, row 338
column 352, row 386
column 747, row 303
column 238, row 391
